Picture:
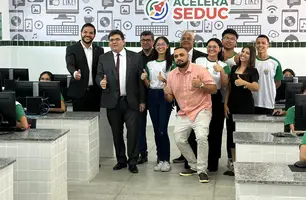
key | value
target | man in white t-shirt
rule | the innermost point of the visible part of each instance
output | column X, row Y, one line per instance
column 270, row 76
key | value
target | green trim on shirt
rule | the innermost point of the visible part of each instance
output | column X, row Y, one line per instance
column 148, row 72
column 290, row 116
column 227, row 69
column 160, row 60
column 304, row 138
column 279, row 72
column 62, row 98
column 19, row 112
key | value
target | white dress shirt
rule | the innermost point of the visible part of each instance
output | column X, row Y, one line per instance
column 122, row 71
column 190, row 53
column 89, row 54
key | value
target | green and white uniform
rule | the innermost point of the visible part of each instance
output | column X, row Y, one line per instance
column 269, row 71
column 231, row 61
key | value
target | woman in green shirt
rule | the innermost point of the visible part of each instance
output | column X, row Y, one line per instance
column 48, row 76
column 290, row 114
column 21, row 119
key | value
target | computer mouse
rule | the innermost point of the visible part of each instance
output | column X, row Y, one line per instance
column 300, row 164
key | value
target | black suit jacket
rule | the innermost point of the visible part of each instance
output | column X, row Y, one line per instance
column 134, row 85
column 75, row 60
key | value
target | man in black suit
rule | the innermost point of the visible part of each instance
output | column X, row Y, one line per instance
column 187, row 42
column 123, row 96
column 147, row 41
column 82, row 61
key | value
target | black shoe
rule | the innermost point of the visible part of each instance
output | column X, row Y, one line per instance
column 142, row 159
column 133, row 169
column 180, row 159
column 229, row 173
column 188, row 172
column 119, row 166
column 186, row 166
column 203, row 178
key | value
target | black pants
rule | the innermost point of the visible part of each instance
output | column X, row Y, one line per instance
column 117, row 116
column 90, row 102
column 230, row 128
column 215, row 130
column 263, row 111
column 191, row 140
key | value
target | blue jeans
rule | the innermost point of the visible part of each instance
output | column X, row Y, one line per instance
column 143, row 148
column 160, row 110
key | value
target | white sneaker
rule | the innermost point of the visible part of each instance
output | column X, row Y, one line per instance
column 158, row 166
column 166, row 167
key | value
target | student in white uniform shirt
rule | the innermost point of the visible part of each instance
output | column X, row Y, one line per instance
column 270, row 76
column 154, row 77
column 219, row 71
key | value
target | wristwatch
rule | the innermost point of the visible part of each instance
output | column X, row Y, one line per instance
column 202, row 86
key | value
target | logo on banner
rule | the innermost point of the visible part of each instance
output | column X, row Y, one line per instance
column 156, row 10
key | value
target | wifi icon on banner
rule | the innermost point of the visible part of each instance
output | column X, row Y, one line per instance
column 88, row 9
column 272, row 9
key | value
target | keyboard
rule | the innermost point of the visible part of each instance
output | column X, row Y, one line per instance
column 246, row 30
column 159, row 30
column 62, row 30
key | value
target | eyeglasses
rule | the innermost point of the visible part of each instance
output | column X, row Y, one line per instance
column 212, row 47
column 115, row 40
column 161, row 44
column 229, row 39
column 145, row 40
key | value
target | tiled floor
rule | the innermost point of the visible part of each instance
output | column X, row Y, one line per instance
column 149, row 185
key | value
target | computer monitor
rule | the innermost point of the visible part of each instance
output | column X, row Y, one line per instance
column 301, row 79
column 7, row 109
column 291, row 90
column 280, row 92
column 64, row 83
column 14, row 74
column 62, row 8
column 23, row 89
column 51, row 92
column 244, row 8
column 300, row 112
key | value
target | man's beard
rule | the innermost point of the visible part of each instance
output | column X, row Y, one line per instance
column 90, row 41
column 182, row 65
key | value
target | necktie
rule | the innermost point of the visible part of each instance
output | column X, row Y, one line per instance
column 117, row 70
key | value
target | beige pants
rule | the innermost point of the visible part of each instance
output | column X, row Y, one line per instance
column 201, row 128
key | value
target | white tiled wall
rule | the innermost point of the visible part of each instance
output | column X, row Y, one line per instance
column 40, row 171
column 83, row 146
column 288, row 154
column 259, row 127
column 247, row 191
column 6, row 183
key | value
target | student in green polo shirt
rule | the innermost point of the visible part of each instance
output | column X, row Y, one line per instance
column 290, row 115
column 48, row 76
column 21, row 119
column 303, row 148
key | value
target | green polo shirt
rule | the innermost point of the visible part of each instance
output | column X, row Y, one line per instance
column 290, row 116
column 304, row 139
column 19, row 111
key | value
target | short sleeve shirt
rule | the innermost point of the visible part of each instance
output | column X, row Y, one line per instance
column 290, row 115
column 19, row 111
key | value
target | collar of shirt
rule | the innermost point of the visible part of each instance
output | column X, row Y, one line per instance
column 122, row 53
column 143, row 53
column 189, row 69
column 84, row 47
column 190, row 54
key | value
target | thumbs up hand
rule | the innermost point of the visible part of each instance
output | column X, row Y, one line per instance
column 161, row 78
column 77, row 75
column 103, row 83
column 217, row 67
column 144, row 75
column 239, row 81
column 196, row 82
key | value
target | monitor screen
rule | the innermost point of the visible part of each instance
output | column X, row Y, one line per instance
column 280, row 92
column 291, row 90
column 18, row 74
column 245, row 6
column 23, row 89
column 301, row 79
column 7, row 109
column 64, row 83
column 51, row 93
column 300, row 112
column 62, row 6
